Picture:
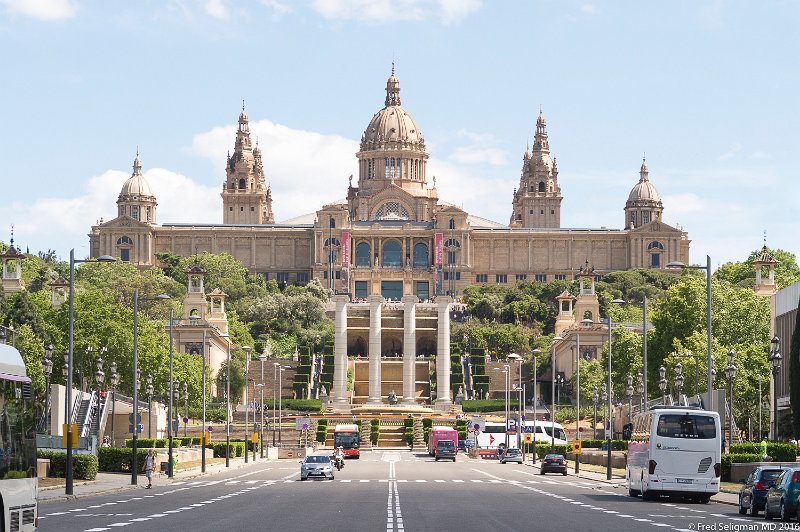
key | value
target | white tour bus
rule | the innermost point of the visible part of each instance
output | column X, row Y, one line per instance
column 494, row 434
column 18, row 483
column 675, row 451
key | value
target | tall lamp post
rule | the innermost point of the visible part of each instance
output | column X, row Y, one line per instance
column 247, row 400
column 71, row 357
column 150, row 391
column 114, row 384
column 518, row 359
column 775, row 359
column 185, row 406
column 281, row 369
column 535, row 352
column 629, row 394
column 507, row 375
column 608, row 418
column 262, row 357
column 710, row 360
column 170, row 472
column 640, row 386
column 730, row 374
column 679, row 382
column 47, row 367
column 662, row 384
column 553, row 392
column 100, row 378
column 134, row 439
column 689, row 354
column 275, row 366
column 595, row 398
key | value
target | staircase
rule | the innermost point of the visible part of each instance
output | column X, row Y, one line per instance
column 270, row 379
column 393, row 434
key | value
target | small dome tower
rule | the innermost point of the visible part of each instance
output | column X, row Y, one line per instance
column 136, row 199
column 644, row 204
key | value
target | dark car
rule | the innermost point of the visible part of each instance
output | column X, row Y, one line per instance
column 782, row 497
column 753, row 493
column 553, row 463
column 445, row 449
column 462, row 445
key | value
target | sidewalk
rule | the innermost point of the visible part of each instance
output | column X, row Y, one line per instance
column 112, row 482
column 618, row 481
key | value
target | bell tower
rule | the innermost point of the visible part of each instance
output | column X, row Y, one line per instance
column 537, row 201
column 246, row 199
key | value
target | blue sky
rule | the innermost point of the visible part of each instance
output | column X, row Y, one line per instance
column 706, row 89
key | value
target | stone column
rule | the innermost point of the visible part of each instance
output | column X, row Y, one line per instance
column 409, row 349
column 375, row 303
column 443, row 399
column 340, row 402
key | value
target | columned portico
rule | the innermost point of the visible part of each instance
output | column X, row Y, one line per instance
column 375, row 303
column 409, row 348
column 340, row 400
column 443, row 400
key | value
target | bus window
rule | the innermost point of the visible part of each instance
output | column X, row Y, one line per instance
column 695, row 426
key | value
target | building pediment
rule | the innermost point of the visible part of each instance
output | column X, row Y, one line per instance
column 656, row 227
column 125, row 221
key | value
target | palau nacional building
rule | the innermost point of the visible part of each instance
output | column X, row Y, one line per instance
column 392, row 237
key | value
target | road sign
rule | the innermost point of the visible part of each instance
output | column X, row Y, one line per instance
column 302, row 423
column 131, row 418
column 254, row 437
column 175, row 425
column 185, row 420
column 512, row 425
column 528, row 437
column 577, row 447
column 74, row 435
column 478, row 423
column 289, row 454
column 141, row 428
column 204, row 438
column 210, row 428
column 491, row 439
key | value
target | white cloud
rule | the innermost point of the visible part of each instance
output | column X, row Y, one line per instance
column 588, row 8
column 760, row 155
column 732, row 152
column 476, row 148
column 681, row 204
column 41, row 9
column 217, row 9
column 454, row 11
column 381, row 11
column 277, row 7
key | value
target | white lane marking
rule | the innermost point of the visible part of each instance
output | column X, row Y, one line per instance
column 96, row 529
column 661, row 524
column 120, row 524
column 458, row 480
column 439, row 480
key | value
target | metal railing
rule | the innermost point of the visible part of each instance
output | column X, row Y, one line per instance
column 86, row 427
column 76, row 407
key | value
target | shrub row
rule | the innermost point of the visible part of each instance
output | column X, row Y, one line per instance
column 483, row 405
column 322, row 430
column 118, row 459
column 147, row 443
column 778, row 451
column 236, row 449
column 375, row 431
column 736, row 458
column 84, row 466
column 409, row 436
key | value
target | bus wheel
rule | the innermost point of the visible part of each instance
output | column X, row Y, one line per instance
column 647, row 496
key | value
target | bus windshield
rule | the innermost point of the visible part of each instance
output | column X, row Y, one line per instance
column 17, row 431
column 346, row 440
column 694, row 426
column 559, row 432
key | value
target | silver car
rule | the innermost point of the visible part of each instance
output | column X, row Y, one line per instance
column 511, row 455
column 316, row 465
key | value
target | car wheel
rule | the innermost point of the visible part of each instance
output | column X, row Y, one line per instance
column 782, row 512
column 541, row 472
column 436, row 459
column 647, row 496
column 742, row 509
column 331, row 477
column 704, row 499
column 454, row 459
column 303, row 478
column 767, row 514
column 752, row 510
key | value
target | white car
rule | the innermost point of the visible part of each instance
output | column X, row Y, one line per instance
column 316, row 465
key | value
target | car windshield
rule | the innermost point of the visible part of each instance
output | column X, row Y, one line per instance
column 446, row 443
column 554, row 457
column 512, row 452
column 317, row 459
column 768, row 476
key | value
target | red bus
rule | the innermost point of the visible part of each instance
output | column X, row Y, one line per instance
column 347, row 437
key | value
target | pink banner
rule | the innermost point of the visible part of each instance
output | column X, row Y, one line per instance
column 438, row 249
column 345, row 249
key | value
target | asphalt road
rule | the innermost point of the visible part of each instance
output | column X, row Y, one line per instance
column 390, row 491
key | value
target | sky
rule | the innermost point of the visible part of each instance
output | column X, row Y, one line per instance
column 705, row 89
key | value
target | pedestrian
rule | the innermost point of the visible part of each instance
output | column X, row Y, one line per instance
column 149, row 467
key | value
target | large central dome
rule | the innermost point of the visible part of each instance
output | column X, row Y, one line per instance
column 392, row 125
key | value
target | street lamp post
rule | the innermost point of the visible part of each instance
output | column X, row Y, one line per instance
column 640, row 387
column 185, row 406
column 518, row 359
column 710, row 360
column 679, row 382
column 114, row 384
column 247, row 401
column 275, row 366
column 629, row 395
column 134, row 439
column 507, row 375
column 662, row 384
column 100, row 378
column 775, row 359
column 170, row 472
column 535, row 352
column 608, row 418
column 47, row 367
column 553, row 392
column 689, row 354
column 262, row 357
column 150, row 390
column 70, row 359
column 595, row 398
column 730, row 374
column 281, row 369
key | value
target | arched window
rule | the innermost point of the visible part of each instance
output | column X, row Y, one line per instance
column 362, row 254
column 391, row 254
column 392, row 210
column 655, row 245
column 655, row 248
column 241, row 184
column 452, row 224
column 124, row 241
column 541, row 186
column 421, row 258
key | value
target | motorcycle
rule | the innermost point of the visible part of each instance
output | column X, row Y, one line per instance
column 338, row 462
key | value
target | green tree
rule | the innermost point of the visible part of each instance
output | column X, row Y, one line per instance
column 743, row 274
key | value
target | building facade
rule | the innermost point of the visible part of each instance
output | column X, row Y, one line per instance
column 392, row 235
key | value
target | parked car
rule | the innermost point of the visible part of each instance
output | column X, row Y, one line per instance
column 753, row 493
column 782, row 497
column 462, row 445
column 512, row 455
column 316, row 465
column 555, row 463
column 445, row 449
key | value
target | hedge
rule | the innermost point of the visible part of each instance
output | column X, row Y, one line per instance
column 483, row 405
column 236, row 449
column 215, row 415
column 322, row 430
column 147, row 443
column 375, row 431
column 409, row 436
column 408, row 422
column 736, row 458
column 118, row 459
column 427, row 422
column 249, row 444
column 778, row 451
column 300, row 405
column 84, row 466
column 543, row 450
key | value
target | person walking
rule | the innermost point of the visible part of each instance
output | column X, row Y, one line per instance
column 149, row 467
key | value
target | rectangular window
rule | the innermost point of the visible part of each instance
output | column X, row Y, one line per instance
column 302, row 277
column 451, row 257
column 135, row 212
column 230, row 209
column 645, row 218
column 655, row 260
column 455, row 275
column 392, row 289
column 338, row 274
column 252, row 209
column 541, row 212
column 531, row 211
column 561, row 277
column 361, row 289
column 266, row 276
column 125, row 255
column 482, row 278
column 422, row 292
column 282, row 277
column 552, row 211
column 541, row 278
column 501, row 278
column 694, row 426
column 521, row 277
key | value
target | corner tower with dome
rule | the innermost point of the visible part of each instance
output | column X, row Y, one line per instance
column 391, row 235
